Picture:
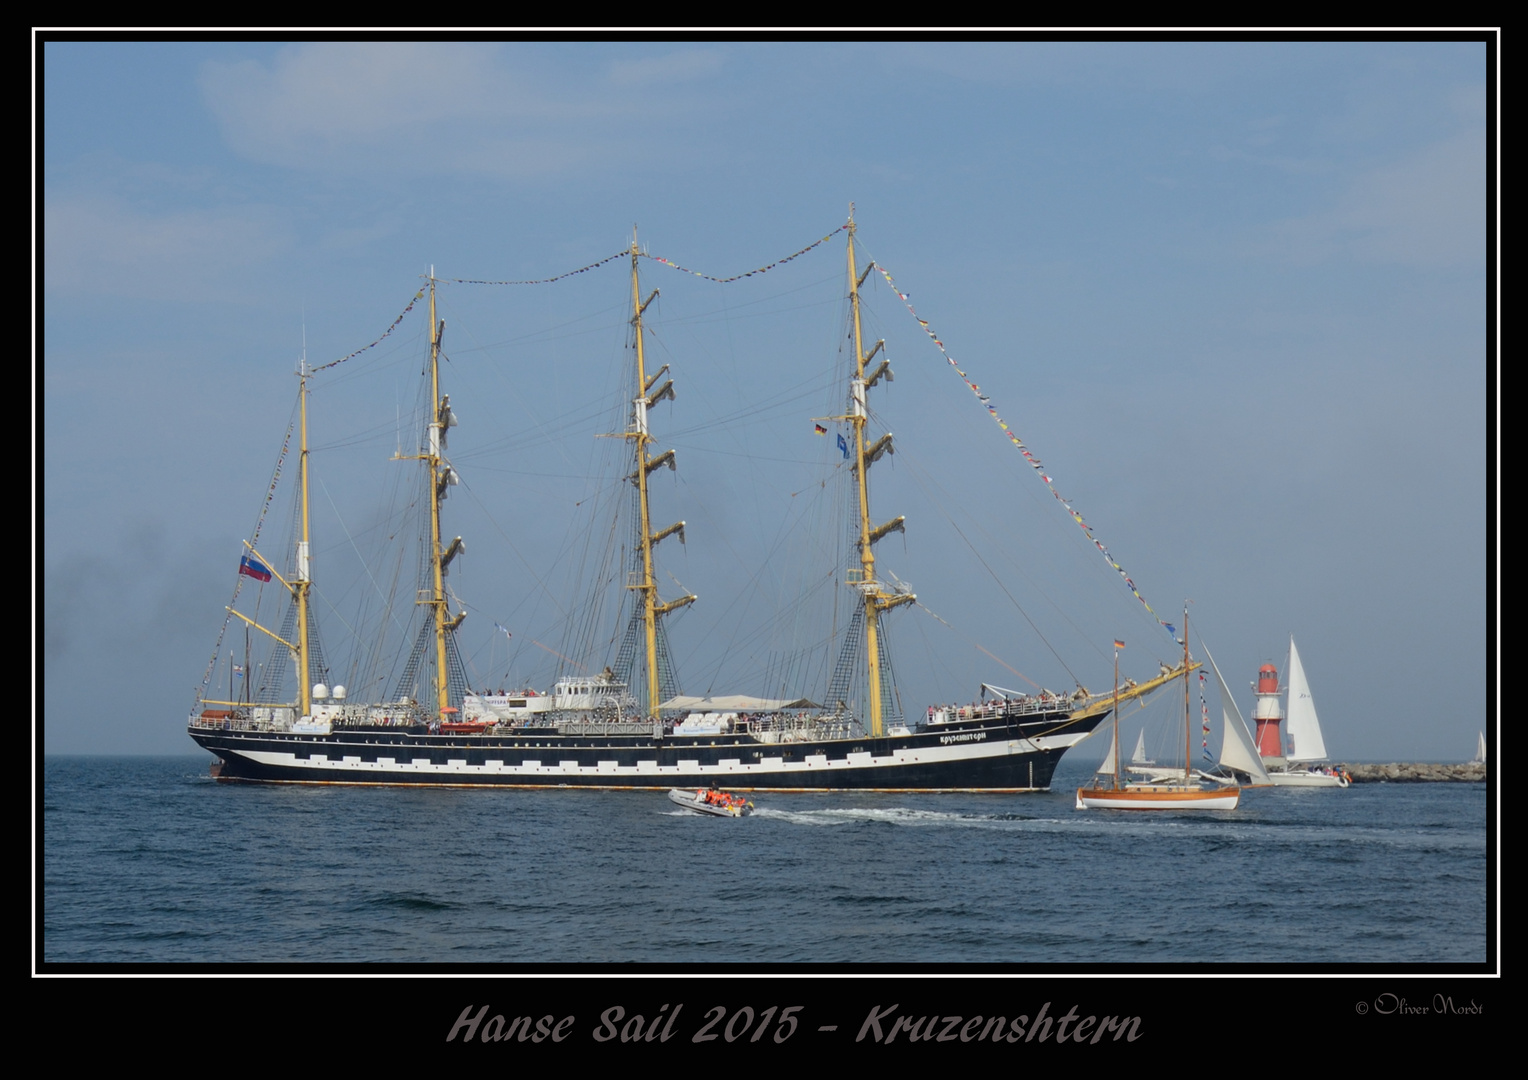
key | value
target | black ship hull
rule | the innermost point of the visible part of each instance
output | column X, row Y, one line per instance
column 1000, row 755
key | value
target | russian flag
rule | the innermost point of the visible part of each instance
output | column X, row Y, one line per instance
column 254, row 568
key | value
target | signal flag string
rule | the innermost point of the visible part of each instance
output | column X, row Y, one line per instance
column 986, row 403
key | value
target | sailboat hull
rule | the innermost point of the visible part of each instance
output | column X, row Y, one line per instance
column 1302, row 778
column 997, row 756
column 1158, row 797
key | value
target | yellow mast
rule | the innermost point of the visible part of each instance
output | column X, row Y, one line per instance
column 303, row 580
column 441, row 476
column 646, row 398
column 877, row 599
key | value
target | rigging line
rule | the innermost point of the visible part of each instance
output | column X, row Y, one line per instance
column 601, row 313
column 364, row 565
column 761, row 408
column 727, row 317
column 557, row 654
column 546, row 335
column 982, row 647
column 704, row 448
column 585, row 411
column 930, row 490
column 751, row 273
column 1015, row 603
column 529, row 569
column 749, row 645
column 1034, row 462
column 403, row 352
column 751, row 585
column 238, row 585
column 552, row 431
column 537, row 281
column 417, row 297
column 729, row 311
column 751, row 589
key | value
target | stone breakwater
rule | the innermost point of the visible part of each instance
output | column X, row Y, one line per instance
column 1414, row 773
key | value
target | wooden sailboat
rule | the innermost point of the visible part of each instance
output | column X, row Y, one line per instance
column 1184, row 793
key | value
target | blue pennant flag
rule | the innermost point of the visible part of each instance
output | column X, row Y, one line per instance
column 844, row 446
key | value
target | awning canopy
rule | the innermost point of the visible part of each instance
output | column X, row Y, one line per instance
column 736, row 703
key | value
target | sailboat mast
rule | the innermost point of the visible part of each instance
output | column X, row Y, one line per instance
column 876, row 599
column 1116, row 715
column 1188, row 728
column 646, row 398
column 301, row 585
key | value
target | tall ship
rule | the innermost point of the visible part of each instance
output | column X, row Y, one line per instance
column 628, row 726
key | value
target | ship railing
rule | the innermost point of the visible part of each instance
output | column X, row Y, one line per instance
column 232, row 722
column 264, row 718
column 996, row 710
column 802, row 727
column 595, row 725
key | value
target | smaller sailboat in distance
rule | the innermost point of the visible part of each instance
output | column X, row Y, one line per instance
column 1181, row 793
column 1301, row 766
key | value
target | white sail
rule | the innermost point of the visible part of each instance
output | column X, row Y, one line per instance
column 1108, row 763
column 1139, row 757
column 1237, row 750
column 1304, row 729
column 1480, row 750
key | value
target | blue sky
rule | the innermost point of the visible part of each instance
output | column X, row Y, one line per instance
column 1233, row 295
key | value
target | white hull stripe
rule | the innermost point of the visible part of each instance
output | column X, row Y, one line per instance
column 769, row 765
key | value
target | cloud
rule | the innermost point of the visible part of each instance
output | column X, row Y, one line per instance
column 423, row 108
column 1427, row 211
column 685, row 66
column 100, row 244
column 1096, row 67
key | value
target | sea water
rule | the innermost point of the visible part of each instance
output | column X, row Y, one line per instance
column 149, row 860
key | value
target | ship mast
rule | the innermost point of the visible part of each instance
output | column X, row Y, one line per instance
column 1188, row 726
column 303, row 581
column 440, row 476
column 876, row 598
column 647, row 583
column 1116, row 715
column 302, row 578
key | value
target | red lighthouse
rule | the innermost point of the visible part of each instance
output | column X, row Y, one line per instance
column 1270, row 746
